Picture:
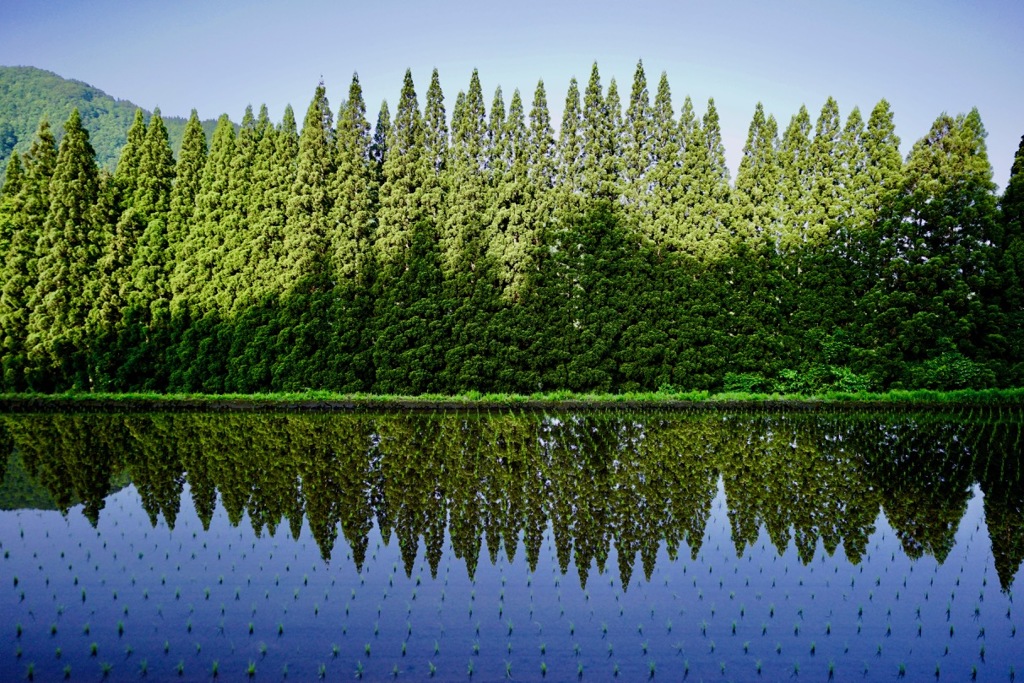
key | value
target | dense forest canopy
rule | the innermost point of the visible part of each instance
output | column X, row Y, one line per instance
column 481, row 250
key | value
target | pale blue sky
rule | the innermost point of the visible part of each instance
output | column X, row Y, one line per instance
column 924, row 56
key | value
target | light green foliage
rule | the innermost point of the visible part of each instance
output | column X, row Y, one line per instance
column 600, row 131
column 665, row 189
column 756, row 196
column 23, row 214
column 68, row 250
column 405, row 168
column 704, row 205
column 195, row 280
column 354, row 214
column 404, row 259
column 511, row 232
column 795, row 182
column 569, row 174
column 305, row 265
column 469, row 189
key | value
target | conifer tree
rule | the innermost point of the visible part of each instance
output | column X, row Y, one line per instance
column 755, row 199
column 510, row 238
column 665, row 177
column 188, row 174
column 541, row 165
column 120, row 224
column 405, row 166
column 794, row 182
column 435, row 145
column 638, row 154
column 931, row 314
column 234, row 291
column 883, row 162
column 827, row 202
column 600, row 145
column 354, row 218
column 705, row 179
column 151, row 267
column 26, row 208
column 196, row 277
column 13, row 185
column 569, row 174
column 1011, row 267
column 408, row 351
column 305, row 266
column 273, row 182
column 68, row 250
column 354, row 214
column 468, row 289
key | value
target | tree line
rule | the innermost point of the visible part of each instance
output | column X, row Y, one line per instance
column 491, row 254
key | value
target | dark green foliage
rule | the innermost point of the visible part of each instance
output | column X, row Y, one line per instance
column 407, row 257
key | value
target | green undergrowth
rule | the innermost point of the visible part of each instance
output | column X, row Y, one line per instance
column 341, row 401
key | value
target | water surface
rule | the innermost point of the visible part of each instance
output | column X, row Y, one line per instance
column 701, row 545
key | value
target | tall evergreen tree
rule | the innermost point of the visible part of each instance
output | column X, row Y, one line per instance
column 827, row 201
column 755, row 199
column 931, row 311
column 705, row 179
column 408, row 351
column 26, row 208
column 661, row 228
column 354, row 215
column 196, row 277
column 404, row 169
column 354, row 218
column 435, row 145
column 600, row 142
column 638, row 153
column 569, row 175
column 1011, row 267
column 468, row 197
column 68, row 250
column 510, row 236
column 151, row 267
column 188, row 173
column 305, row 266
column 794, row 182
column 883, row 162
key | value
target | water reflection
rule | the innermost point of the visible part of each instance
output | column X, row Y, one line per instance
column 614, row 483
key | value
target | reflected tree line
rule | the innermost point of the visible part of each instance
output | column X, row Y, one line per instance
column 626, row 482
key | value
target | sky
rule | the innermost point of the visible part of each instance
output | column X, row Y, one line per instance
column 925, row 57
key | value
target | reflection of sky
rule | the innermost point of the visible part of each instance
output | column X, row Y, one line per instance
column 925, row 57
column 198, row 591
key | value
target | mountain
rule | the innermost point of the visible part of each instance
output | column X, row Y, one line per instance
column 28, row 94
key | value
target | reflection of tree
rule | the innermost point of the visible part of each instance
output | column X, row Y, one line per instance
column 1002, row 483
column 155, row 467
column 627, row 480
column 73, row 456
column 923, row 472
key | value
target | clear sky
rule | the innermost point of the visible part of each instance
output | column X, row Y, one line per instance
column 924, row 56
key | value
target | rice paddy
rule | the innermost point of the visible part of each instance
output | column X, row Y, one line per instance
column 619, row 545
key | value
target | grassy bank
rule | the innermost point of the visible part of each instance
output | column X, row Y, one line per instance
column 326, row 400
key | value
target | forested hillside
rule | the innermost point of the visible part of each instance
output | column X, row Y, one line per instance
column 408, row 257
column 28, row 94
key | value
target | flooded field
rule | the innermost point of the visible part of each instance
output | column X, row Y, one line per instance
column 699, row 545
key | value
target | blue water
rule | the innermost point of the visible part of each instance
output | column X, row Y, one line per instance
column 719, row 604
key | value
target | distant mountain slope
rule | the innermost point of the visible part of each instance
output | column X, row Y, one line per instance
column 28, row 94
